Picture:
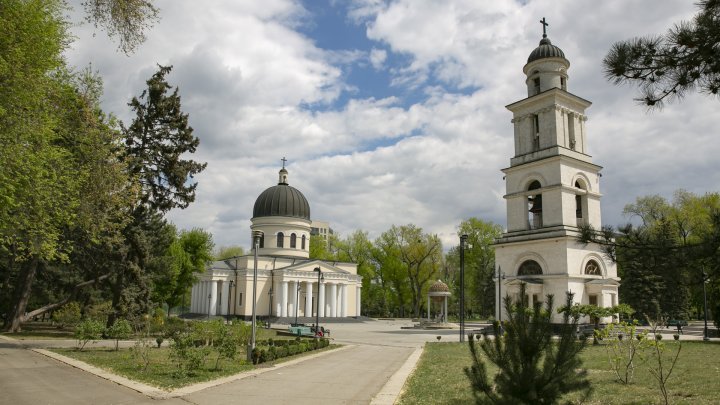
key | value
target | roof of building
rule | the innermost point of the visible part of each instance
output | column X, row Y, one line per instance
column 545, row 50
column 283, row 201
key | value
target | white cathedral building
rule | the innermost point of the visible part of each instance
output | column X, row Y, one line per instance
column 289, row 284
column 552, row 188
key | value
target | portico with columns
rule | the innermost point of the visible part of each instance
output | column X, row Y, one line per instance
column 287, row 279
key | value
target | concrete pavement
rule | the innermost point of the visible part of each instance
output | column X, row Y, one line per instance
column 367, row 369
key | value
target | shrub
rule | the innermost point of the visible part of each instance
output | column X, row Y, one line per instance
column 282, row 351
column 121, row 329
column 159, row 340
column 88, row 330
column 174, row 326
column 186, row 355
column 303, row 347
column 99, row 312
column 292, row 350
column 68, row 315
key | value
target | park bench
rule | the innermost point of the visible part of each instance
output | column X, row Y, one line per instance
column 678, row 323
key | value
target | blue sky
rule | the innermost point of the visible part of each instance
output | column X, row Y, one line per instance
column 392, row 112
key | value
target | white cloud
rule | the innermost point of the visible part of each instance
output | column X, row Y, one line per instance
column 377, row 58
column 257, row 88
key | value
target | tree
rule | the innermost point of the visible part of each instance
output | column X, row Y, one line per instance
column 479, row 265
column 189, row 253
column 420, row 255
column 154, row 145
column 357, row 248
column 661, row 260
column 226, row 252
column 533, row 368
column 125, row 19
column 321, row 249
column 666, row 67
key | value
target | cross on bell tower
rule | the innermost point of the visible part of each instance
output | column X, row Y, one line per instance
column 544, row 24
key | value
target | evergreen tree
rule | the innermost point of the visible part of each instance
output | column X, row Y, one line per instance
column 666, row 67
column 533, row 367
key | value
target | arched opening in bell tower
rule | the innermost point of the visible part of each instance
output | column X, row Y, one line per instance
column 535, row 207
column 581, row 203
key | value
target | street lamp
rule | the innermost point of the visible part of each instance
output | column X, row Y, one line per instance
column 256, row 242
column 463, row 243
column 705, row 280
column 297, row 301
column 317, row 312
column 500, row 278
column 229, row 299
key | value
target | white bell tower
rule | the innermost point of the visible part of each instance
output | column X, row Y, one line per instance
column 553, row 188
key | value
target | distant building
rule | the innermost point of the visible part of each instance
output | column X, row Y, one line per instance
column 287, row 281
column 321, row 228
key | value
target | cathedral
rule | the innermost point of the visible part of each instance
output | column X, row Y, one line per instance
column 289, row 283
column 552, row 188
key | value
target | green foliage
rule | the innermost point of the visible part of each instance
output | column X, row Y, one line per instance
column 99, row 312
column 88, row 330
column 155, row 141
column 661, row 363
column 661, row 261
column 186, row 355
column 533, row 369
column 623, row 343
column 121, row 329
column 68, row 315
column 126, row 20
column 666, row 67
column 479, row 267
column 225, row 252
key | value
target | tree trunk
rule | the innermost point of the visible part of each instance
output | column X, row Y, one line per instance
column 54, row 306
column 22, row 295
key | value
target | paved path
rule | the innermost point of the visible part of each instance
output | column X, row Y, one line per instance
column 365, row 370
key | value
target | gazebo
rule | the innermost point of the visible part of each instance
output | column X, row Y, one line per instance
column 438, row 292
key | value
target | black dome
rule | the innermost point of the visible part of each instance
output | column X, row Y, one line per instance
column 545, row 50
column 282, row 201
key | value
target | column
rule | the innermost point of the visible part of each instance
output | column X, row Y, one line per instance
column 203, row 297
column 213, row 297
column 445, row 311
column 333, row 300
column 321, row 300
column 358, row 295
column 293, row 300
column 308, row 298
column 343, row 300
column 224, row 297
column 283, row 299
column 193, row 300
column 428, row 307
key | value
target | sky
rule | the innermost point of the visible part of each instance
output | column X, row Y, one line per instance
column 393, row 112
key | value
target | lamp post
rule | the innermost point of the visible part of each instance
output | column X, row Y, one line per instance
column 500, row 277
column 297, row 301
column 705, row 279
column 229, row 300
column 317, row 312
column 463, row 242
column 256, row 242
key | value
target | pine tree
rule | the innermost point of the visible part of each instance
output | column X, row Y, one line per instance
column 533, row 367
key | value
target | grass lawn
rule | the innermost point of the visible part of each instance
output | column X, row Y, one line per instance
column 439, row 377
column 161, row 371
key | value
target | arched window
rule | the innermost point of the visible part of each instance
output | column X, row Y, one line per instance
column 280, row 240
column 580, row 203
column 535, row 207
column 529, row 268
column 262, row 241
column 592, row 268
column 302, row 243
column 293, row 241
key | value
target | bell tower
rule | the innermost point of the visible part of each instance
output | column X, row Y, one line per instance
column 552, row 189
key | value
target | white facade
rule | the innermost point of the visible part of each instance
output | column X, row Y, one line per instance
column 288, row 282
column 552, row 188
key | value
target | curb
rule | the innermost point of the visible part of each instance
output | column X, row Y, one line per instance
column 391, row 391
column 159, row 393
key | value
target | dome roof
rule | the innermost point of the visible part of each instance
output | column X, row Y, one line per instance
column 439, row 288
column 545, row 50
column 282, row 201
